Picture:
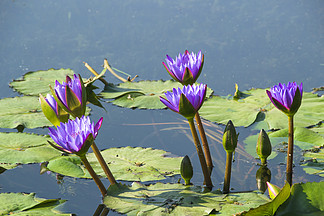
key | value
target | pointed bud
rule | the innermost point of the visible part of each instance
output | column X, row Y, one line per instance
column 230, row 137
column 52, row 111
column 263, row 147
column 273, row 190
column 186, row 170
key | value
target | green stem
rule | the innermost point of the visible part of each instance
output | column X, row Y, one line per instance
column 204, row 143
column 200, row 153
column 290, row 149
column 228, row 168
column 103, row 164
column 94, row 175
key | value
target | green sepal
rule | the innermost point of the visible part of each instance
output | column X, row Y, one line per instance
column 230, row 137
column 59, row 148
column 280, row 106
column 186, row 170
column 49, row 113
column 92, row 97
column 263, row 147
column 59, row 101
column 296, row 103
column 73, row 103
column 187, row 78
column 86, row 145
column 84, row 96
column 186, row 108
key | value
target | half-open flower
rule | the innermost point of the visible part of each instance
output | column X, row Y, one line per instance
column 52, row 111
column 75, row 136
column 286, row 98
column 186, row 101
column 186, row 68
column 71, row 95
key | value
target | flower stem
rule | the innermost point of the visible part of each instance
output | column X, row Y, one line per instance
column 200, row 153
column 228, row 168
column 94, row 175
column 204, row 143
column 290, row 149
column 103, row 164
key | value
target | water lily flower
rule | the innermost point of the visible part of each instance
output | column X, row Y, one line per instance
column 273, row 190
column 186, row 101
column 75, row 136
column 52, row 111
column 186, row 68
column 71, row 95
column 286, row 98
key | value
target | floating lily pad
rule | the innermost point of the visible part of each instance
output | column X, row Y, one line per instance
column 300, row 199
column 23, row 148
column 28, row 204
column 25, row 111
column 254, row 105
column 177, row 199
column 127, row 163
column 303, row 138
column 314, row 162
column 143, row 94
column 37, row 82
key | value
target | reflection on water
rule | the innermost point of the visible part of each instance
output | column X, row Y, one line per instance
column 253, row 43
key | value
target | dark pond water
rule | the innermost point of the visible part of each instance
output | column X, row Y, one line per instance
column 252, row 43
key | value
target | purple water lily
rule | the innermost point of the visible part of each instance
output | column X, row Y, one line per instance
column 52, row 111
column 186, row 101
column 75, row 136
column 186, row 68
column 71, row 95
column 286, row 98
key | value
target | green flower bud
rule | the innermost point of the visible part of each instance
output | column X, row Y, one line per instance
column 186, row 170
column 230, row 137
column 263, row 147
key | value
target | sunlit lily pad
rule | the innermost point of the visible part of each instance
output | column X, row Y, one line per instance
column 37, row 82
column 143, row 94
column 300, row 199
column 23, row 148
column 127, row 163
column 314, row 162
column 25, row 111
column 28, row 204
column 177, row 199
column 254, row 105
column 303, row 139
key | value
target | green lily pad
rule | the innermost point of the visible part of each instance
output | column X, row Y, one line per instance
column 28, row 204
column 127, row 163
column 303, row 138
column 143, row 94
column 25, row 111
column 177, row 199
column 254, row 106
column 23, row 148
column 305, row 199
column 300, row 199
column 315, row 163
column 37, row 82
